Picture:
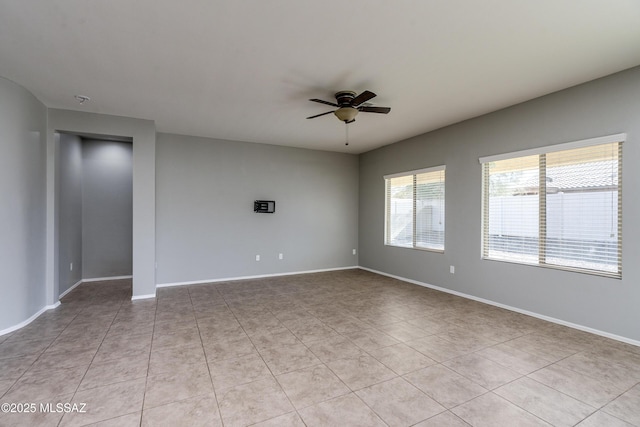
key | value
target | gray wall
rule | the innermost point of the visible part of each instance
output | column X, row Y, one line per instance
column 606, row 106
column 70, row 219
column 22, row 204
column 206, row 227
column 106, row 209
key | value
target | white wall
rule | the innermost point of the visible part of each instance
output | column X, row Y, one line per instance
column 206, row 227
column 607, row 106
column 22, row 204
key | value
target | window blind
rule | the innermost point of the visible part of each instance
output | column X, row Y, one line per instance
column 415, row 209
column 561, row 208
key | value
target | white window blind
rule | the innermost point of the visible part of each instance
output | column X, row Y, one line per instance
column 561, row 208
column 415, row 209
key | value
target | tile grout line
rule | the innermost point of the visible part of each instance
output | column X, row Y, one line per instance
column 146, row 378
column 206, row 359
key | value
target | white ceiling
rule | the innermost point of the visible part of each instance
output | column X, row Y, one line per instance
column 244, row 69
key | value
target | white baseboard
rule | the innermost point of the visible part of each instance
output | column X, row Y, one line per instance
column 510, row 308
column 102, row 279
column 139, row 297
column 259, row 276
column 78, row 283
column 30, row 319
column 52, row 306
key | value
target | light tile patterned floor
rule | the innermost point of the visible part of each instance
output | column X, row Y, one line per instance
column 345, row 348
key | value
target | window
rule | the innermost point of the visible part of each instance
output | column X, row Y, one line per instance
column 415, row 209
column 559, row 206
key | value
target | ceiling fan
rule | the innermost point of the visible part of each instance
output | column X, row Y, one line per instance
column 349, row 105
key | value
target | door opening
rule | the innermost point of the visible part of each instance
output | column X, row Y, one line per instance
column 95, row 209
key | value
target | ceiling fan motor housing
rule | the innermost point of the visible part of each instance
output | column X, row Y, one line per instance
column 344, row 97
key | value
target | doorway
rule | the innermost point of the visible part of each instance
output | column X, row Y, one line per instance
column 95, row 209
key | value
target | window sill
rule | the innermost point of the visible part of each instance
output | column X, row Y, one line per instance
column 561, row 268
column 438, row 251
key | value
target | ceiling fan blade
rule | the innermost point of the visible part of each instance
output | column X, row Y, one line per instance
column 333, row 104
column 321, row 114
column 382, row 110
column 363, row 97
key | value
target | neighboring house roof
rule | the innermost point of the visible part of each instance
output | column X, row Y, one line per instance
column 593, row 176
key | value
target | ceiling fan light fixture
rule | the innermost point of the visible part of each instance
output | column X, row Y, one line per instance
column 346, row 114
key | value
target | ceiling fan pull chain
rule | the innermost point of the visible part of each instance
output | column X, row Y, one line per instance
column 346, row 130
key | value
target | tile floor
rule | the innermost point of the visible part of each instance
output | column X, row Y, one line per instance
column 347, row 348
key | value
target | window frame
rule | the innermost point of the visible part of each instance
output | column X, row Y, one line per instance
column 542, row 212
column 414, row 174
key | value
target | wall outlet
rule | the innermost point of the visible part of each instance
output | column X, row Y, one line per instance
column 452, row 269
column 280, row 256
column 70, row 266
column 354, row 251
column 257, row 257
